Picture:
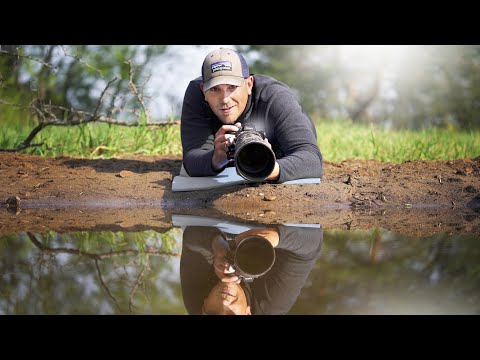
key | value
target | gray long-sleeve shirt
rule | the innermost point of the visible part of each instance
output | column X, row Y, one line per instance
column 272, row 108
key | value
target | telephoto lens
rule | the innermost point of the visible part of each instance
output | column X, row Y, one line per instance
column 254, row 158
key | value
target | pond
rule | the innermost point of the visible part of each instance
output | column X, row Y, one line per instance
column 169, row 270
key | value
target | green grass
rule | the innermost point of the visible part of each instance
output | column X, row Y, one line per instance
column 96, row 140
column 341, row 139
column 338, row 140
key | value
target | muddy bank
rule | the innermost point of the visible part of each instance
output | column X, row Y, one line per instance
column 413, row 222
column 67, row 194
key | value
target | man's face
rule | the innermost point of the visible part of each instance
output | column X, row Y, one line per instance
column 226, row 299
column 229, row 101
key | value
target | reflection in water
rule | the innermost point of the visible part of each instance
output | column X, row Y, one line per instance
column 379, row 272
column 207, row 284
column 89, row 273
column 357, row 272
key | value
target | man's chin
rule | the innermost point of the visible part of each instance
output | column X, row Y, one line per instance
column 229, row 120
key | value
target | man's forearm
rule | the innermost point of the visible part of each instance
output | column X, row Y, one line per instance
column 198, row 162
column 300, row 165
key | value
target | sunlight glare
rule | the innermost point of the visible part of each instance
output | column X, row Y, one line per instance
column 373, row 56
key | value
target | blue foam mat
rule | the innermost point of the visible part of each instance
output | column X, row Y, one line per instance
column 227, row 177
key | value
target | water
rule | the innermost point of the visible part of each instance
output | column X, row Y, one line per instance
column 316, row 271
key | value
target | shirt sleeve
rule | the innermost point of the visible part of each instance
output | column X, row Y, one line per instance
column 296, row 136
column 196, row 133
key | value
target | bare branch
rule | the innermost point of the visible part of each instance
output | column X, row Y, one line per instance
column 139, row 96
column 101, row 96
column 105, row 285
column 3, row 102
column 18, row 55
column 134, row 289
column 81, row 61
column 77, row 117
column 48, row 117
column 99, row 256
column 22, row 147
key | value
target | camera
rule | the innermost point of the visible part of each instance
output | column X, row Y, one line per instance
column 254, row 158
column 251, row 257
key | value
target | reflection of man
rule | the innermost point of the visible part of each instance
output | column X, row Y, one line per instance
column 209, row 288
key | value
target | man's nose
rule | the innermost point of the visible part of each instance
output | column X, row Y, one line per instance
column 226, row 95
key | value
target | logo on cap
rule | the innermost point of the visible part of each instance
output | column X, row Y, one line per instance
column 221, row 65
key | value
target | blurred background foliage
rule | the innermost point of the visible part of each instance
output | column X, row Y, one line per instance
column 384, row 102
column 396, row 86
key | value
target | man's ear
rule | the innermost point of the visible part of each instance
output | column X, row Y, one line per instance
column 201, row 87
column 249, row 84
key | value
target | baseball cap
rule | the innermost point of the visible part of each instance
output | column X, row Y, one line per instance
column 224, row 66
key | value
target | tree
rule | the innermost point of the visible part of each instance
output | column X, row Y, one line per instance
column 69, row 85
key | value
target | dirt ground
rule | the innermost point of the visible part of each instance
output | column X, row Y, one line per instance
column 417, row 198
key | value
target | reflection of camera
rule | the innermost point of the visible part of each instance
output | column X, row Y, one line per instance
column 251, row 258
column 254, row 159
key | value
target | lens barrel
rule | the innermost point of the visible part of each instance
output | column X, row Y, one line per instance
column 254, row 159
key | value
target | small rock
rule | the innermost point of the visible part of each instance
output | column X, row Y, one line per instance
column 13, row 205
column 269, row 197
column 125, row 173
column 13, row 202
column 470, row 189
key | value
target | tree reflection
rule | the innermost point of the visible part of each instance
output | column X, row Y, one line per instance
column 359, row 272
column 378, row 272
column 101, row 273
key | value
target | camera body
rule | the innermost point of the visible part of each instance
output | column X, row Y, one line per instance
column 253, row 156
column 251, row 258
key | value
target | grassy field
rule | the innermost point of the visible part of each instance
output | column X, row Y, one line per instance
column 338, row 140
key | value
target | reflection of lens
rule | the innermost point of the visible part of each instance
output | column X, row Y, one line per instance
column 254, row 256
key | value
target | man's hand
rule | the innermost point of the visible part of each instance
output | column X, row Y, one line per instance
column 222, row 268
column 275, row 173
column 276, row 170
column 269, row 234
column 219, row 158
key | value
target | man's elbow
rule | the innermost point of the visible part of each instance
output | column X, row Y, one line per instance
column 194, row 165
column 319, row 165
column 188, row 165
column 190, row 168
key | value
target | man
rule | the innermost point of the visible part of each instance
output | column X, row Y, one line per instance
column 226, row 97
